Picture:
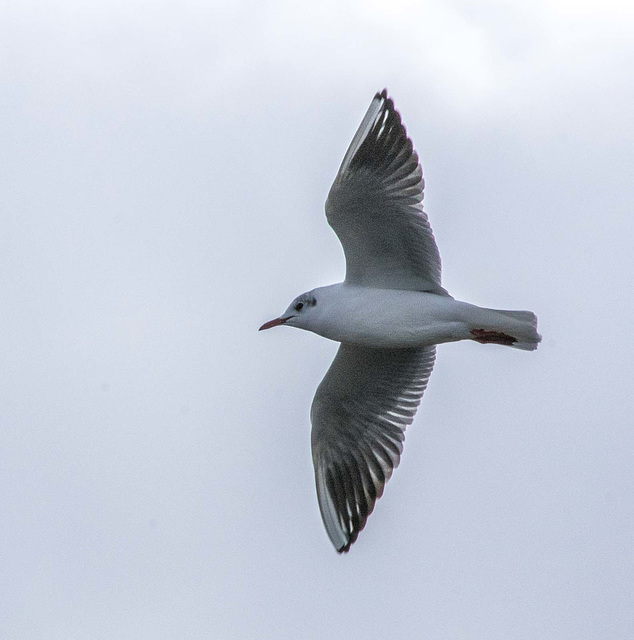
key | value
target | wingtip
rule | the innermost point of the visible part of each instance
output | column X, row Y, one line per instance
column 381, row 95
column 345, row 547
column 352, row 538
column 384, row 97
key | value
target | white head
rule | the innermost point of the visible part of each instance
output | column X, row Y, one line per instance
column 300, row 313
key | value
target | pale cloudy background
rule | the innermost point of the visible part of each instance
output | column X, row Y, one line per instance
column 164, row 168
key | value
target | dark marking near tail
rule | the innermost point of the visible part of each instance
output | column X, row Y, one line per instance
column 492, row 337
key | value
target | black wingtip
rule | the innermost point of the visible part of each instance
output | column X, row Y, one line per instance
column 388, row 103
column 353, row 535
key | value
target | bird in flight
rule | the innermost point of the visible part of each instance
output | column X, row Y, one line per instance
column 389, row 314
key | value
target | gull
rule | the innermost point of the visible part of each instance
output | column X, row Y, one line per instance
column 389, row 314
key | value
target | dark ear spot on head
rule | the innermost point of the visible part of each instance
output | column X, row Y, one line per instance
column 311, row 302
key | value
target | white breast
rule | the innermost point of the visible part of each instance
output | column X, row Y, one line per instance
column 389, row 318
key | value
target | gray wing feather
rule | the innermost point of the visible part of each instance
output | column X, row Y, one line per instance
column 375, row 207
column 359, row 415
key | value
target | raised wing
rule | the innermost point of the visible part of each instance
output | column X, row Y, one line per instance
column 359, row 415
column 375, row 207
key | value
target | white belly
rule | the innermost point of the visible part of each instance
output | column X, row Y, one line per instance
column 389, row 318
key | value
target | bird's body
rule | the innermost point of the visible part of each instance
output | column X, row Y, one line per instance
column 389, row 314
column 396, row 318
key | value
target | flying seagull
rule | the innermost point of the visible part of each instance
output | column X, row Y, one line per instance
column 389, row 314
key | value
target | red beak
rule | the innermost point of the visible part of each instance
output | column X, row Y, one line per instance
column 273, row 323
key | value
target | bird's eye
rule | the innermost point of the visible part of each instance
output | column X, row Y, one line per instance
column 299, row 306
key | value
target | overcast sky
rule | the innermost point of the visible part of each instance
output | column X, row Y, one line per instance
column 164, row 169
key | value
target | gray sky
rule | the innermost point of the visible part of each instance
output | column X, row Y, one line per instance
column 164, row 169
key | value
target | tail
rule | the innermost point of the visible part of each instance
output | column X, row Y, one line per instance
column 517, row 329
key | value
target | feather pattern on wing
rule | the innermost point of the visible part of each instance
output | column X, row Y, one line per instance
column 359, row 415
column 375, row 207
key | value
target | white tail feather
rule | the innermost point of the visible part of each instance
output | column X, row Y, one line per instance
column 521, row 325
